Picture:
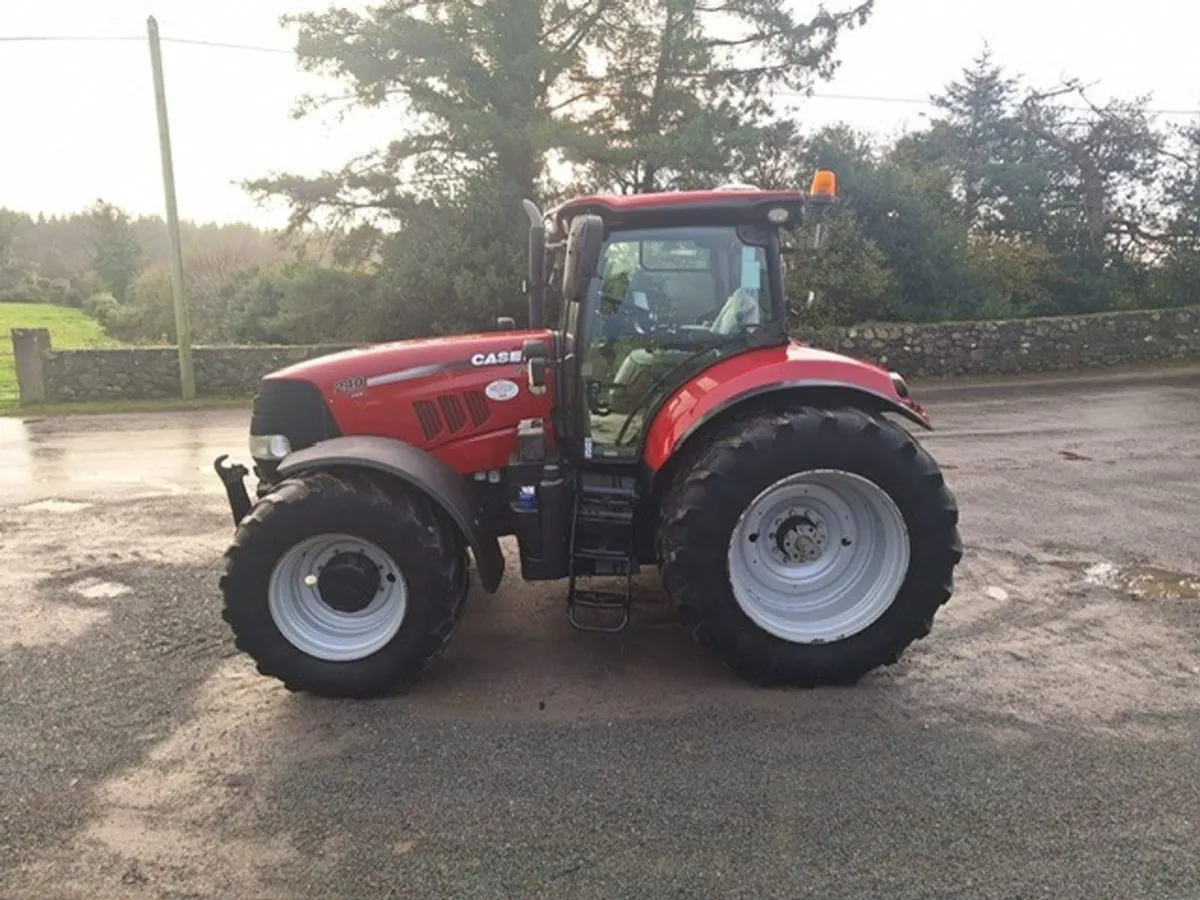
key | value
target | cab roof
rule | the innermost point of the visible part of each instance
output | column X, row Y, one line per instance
column 733, row 205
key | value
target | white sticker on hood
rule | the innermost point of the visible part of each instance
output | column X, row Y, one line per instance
column 502, row 390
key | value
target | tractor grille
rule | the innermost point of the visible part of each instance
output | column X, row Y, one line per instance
column 448, row 413
column 294, row 409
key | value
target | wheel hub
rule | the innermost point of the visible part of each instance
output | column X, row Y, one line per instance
column 797, row 537
column 349, row 582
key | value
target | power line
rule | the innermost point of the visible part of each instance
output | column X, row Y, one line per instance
column 866, row 98
column 48, row 38
column 55, row 38
column 227, row 45
column 224, row 44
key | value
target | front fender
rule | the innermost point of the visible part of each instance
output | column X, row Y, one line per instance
column 413, row 466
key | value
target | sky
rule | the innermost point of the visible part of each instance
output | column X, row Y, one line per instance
column 77, row 120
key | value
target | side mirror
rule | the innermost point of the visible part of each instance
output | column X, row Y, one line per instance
column 535, row 284
column 584, row 243
column 506, row 323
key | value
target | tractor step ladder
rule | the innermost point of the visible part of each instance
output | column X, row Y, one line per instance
column 602, row 547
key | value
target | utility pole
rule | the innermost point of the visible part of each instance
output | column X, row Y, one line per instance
column 183, row 326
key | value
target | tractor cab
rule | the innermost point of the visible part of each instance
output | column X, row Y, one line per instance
column 650, row 290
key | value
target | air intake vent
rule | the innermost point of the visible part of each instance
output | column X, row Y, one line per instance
column 451, row 415
column 456, row 419
column 477, row 406
column 427, row 414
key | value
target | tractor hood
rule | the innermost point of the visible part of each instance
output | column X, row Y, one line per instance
column 400, row 361
column 460, row 397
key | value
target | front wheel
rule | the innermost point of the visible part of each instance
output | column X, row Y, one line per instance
column 810, row 547
column 343, row 586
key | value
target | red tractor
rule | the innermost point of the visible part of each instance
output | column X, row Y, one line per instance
column 666, row 418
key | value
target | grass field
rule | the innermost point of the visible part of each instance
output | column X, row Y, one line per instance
column 70, row 329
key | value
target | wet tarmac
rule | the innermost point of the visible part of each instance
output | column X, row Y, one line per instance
column 148, row 454
column 1041, row 742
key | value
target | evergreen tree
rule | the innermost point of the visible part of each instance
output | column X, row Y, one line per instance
column 685, row 90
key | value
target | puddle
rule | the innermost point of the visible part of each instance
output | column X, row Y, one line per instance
column 99, row 590
column 1144, row 582
column 55, row 506
column 1159, row 584
column 1105, row 574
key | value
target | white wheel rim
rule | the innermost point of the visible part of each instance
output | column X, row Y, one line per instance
column 310, row 624
column 818, row 556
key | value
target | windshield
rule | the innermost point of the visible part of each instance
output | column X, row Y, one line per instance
column 666, row 300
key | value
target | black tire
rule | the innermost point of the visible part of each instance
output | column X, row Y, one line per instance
column 701, row 508
column 405, row 524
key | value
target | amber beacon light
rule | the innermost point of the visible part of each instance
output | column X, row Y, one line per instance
column 824, row 184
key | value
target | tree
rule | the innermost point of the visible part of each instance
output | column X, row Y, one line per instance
column 906, row 214
column 976, row 138
column 491, row 88
column 849, row 278
column 460, row 270
column 15, row 271
column 1106, row 156
column 480, row 85
column 1102, row 164
column 117, row 256
column 1174, row 283
column 1181, row 189
column 775, row 159
column 684, row 93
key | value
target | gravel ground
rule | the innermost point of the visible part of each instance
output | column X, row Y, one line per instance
column 1042, row 742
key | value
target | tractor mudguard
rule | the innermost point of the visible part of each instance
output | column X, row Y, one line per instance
column 421, row 470
column 794, row 371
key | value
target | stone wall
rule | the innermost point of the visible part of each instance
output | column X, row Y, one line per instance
column 950, row 349
column 152, row 373
column 1023, row 346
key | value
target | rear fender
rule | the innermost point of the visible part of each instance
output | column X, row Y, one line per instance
column 771, row 373
column 418, row 469
column 765, row 377
column 819, row 393
column 780, row 395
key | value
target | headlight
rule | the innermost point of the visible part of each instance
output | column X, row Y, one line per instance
column 269, row 446
column 899, row 384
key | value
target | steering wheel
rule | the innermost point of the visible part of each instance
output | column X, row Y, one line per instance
column 642, row 320
column 628, row 317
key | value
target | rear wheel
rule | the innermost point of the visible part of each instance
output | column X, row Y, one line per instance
column 343, row 586
column 810, row 547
